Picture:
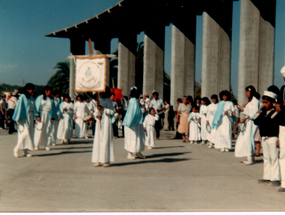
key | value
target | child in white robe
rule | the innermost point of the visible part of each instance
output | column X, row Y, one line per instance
column 103, row 144
column 24, row 117
column 65, row 126
column 148, row 124
column 222, row 121
column 203, row 120
column 45, row 114
column 80, row 111
column 194, row 128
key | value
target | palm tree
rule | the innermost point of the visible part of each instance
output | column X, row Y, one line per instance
column 60, row 80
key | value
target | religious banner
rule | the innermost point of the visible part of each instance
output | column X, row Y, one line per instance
column 90, row 75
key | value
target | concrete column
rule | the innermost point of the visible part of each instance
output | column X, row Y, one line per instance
column 182, row 64
column 77, row 47
column 248, row 48
column 256, row 55
column 154, row 60
column 126, row 62
column 266, row 55
column 215, row 57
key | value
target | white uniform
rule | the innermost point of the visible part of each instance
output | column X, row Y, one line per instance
column 203, row 114
column 65, row 127
column 210, row 116
column 148, row 124
column 194, row 130
column 103, row 144
column 81, row 110
column 224, row 128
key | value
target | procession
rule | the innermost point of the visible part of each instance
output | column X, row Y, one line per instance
column 50, row 120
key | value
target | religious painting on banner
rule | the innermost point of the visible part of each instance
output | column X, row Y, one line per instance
column 118, row 95
column 90, row 75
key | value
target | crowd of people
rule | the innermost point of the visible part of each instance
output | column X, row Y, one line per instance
column 41, row 121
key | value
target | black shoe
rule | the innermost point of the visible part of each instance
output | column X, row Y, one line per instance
column 263, row 181
column 276, row 183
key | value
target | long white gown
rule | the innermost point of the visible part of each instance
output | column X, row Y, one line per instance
column 24, row 117
column 224, row 128
column 148, row 124
column 194, row 130
column 43, row 129
column 245, row 145
column 103, row 144
column 65, row 127
column 81, row 110
column 204, row 132
column 210, row 116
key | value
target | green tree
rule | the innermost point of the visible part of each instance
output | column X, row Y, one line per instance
column 60, row 80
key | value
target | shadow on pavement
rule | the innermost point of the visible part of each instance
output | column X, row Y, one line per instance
column 166, row 154
column 58, row 148
column 60, row 153
column 168, row 147
column 164, row 160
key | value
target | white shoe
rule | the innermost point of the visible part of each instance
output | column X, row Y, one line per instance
column 248, row 162
column 53, row 144
column 36, row 148
column 211, row 146
column 29, row 155
column 191, row 142
column 195, row 142
column 86, row 137
column 222, row 149
column 107, row 164
column 149, row 147
column 226, row 150
column 97, row 164
column 48, row 148
column 130, row 156
column 61, row 142
column 16, row 154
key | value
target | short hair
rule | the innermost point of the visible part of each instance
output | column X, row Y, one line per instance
column 190, row 99
column 66, row 96
column 214, row 96
column 56, row 92
column 195, row 106
column 206, row 100
column 47, row 87
column 107, row 93
column 112, row 94
column 156, row 93
column 134, row 93
column 179, row 100
column 197, row 98
column 150, row 110
column 29, row 86
column 226, row 93
column 81, row 97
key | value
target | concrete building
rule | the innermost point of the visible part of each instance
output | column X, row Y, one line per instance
column 128, row 18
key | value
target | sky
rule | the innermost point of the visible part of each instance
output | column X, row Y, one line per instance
column 27, row 56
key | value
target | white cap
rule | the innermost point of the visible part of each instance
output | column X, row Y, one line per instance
column 270, row 94
column 283, row 71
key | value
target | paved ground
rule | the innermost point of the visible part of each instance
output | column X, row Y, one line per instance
column 174, row 177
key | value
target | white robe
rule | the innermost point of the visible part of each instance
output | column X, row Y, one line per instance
column 65, row 126
column 103, row 144
column 245, row 146
column 210, row 116
column 26, row 129
column 148, row 124
column 204, row 132
column 81, row 110
column 194, row 130
column 224, row 128
column 44, row 128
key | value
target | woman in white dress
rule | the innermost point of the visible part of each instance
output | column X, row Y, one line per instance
column 166, row 115
column 65, row 126
column 134, row 132
column 222, row 121
column 148, row 124
column 45, row 113
column 80, row 111
column 194, row 128
column 245, row 146
column 210, row 116
column 203, row 120
column 24, row 117
column 103, row 144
